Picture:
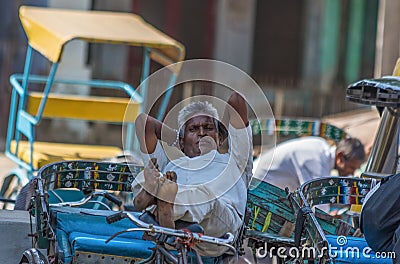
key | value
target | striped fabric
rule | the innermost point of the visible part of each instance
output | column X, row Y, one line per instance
column 297, row 127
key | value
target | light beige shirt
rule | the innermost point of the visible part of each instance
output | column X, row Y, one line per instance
column 212, row 188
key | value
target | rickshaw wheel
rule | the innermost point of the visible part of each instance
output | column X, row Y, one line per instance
column 10, row 188
column 33, row 256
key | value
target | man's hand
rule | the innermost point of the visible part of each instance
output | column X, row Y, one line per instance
column 236, row 111
column 146, row 197
column 158, row 190
column 149, row 130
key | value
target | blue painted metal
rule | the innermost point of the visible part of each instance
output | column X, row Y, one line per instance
column 24, row 123
column 21, row 164
column 11, row 122
column 94, row 83
column 46, row 91
column 27, row 68
column 21, row 122
column 128, row 89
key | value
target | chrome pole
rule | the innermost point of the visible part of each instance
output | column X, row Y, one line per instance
column 383, row 156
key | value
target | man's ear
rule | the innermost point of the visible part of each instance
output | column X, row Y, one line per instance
column 220, row 139
column 339, row 159
column 223, row 144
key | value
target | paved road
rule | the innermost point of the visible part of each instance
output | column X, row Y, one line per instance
column 14, row 225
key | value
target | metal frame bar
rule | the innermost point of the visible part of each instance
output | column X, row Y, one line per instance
column 19, row 118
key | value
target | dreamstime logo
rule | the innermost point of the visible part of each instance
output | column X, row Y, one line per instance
column 341, row 240
column 290, row 252
column 341, row 251
column 225, row 79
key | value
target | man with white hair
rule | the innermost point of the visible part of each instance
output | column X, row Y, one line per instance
column 211, row 187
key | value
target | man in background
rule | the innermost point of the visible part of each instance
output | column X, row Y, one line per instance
column 296, row 161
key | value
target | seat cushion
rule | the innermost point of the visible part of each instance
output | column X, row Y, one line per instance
column 86, row 230
column 119, row 246
column 94, row 222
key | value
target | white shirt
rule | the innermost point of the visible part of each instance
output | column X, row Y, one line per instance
column 295, row 161
column 208, row 179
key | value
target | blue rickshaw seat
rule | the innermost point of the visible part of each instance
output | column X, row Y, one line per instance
column 354, row 250
column 86, row 230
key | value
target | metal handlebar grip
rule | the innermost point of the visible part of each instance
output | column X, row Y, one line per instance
column 113, row 199
column 115, row 217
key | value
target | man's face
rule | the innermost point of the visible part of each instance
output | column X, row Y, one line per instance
column 345, row 166
column 201, row 136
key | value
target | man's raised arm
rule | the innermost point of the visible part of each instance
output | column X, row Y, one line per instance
column 236, row 111
column 149, row 131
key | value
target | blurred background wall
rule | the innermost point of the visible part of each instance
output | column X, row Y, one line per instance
column 303, row 53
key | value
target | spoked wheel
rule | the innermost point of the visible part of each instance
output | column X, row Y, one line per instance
column 33, row 256
column 9, row 190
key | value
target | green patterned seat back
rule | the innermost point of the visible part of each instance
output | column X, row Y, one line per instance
column 268, row 208
column 333, row 191
column 89, row 174
column 336, row 190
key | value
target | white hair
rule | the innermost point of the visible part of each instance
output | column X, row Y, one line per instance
column 196, row 108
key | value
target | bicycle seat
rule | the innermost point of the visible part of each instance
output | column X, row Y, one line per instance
column 192, row 227
column 148, row 218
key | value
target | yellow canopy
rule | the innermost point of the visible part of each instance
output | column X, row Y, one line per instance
column 48, row 30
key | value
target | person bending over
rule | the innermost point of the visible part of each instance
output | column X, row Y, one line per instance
column 302, row 159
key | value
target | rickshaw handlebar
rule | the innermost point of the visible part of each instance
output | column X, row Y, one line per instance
column 113, row 198
column 153, row 229
column 88, row 197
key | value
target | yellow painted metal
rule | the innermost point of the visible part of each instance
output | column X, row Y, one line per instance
column 356, row 208
column 396, row 70
column 91, row 108
column 46, row 152
column 267, row 222
column 49, row 29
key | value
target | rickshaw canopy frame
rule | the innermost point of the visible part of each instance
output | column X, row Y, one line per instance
column 49, row 29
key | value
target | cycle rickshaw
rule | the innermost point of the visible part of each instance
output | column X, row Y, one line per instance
column 317, row 236
column 274, row 216
column 347, row 247
column 71, row 233
column 270, row 220
column 74, row 231
column 34, row 97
